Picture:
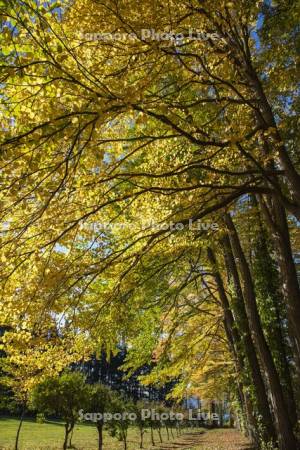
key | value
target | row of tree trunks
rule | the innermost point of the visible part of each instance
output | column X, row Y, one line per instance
column 275, row 216
column 285, row 433
column 268, row 290
column 239, row 310
column 235, row 344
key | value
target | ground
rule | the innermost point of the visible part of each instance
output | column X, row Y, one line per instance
column 49, row 436
column 219, row 439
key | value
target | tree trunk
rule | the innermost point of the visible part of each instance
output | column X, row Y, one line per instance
column 159, row 434
column 267, row 120
column 249, row 348
column 286, row 437
column 124, row 438
column 235, row 339
column 100, row 434
column 152, row 435
column 276, row 219
column 214, row 422
column 71, row 437
column 267, row 285
column 66, row 436
column 172, row 434
column 141, row 437
column 221, row 414
column 168, row 435
column 19, row 428
column 68, row 429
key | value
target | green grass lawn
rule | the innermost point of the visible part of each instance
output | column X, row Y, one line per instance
column 49, row 436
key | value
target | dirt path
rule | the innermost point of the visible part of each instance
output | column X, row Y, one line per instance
column 220, row 439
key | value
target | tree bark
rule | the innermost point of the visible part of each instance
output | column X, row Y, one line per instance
column 267, row 120
column 152, row 435
column 68, row 428
column 276, row 219
column 172, row 432
column 65, row 446
column 286, row 437
column 267, row 284
column 167, row 430
column 234, row 341
column 262, row 401
column 100, row 434
column 159, row 434
column 19, row 428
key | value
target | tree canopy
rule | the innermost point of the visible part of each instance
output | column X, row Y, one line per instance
column 150, row 193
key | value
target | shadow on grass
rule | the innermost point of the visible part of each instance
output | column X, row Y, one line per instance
column 56, row 422
column 183, row 442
